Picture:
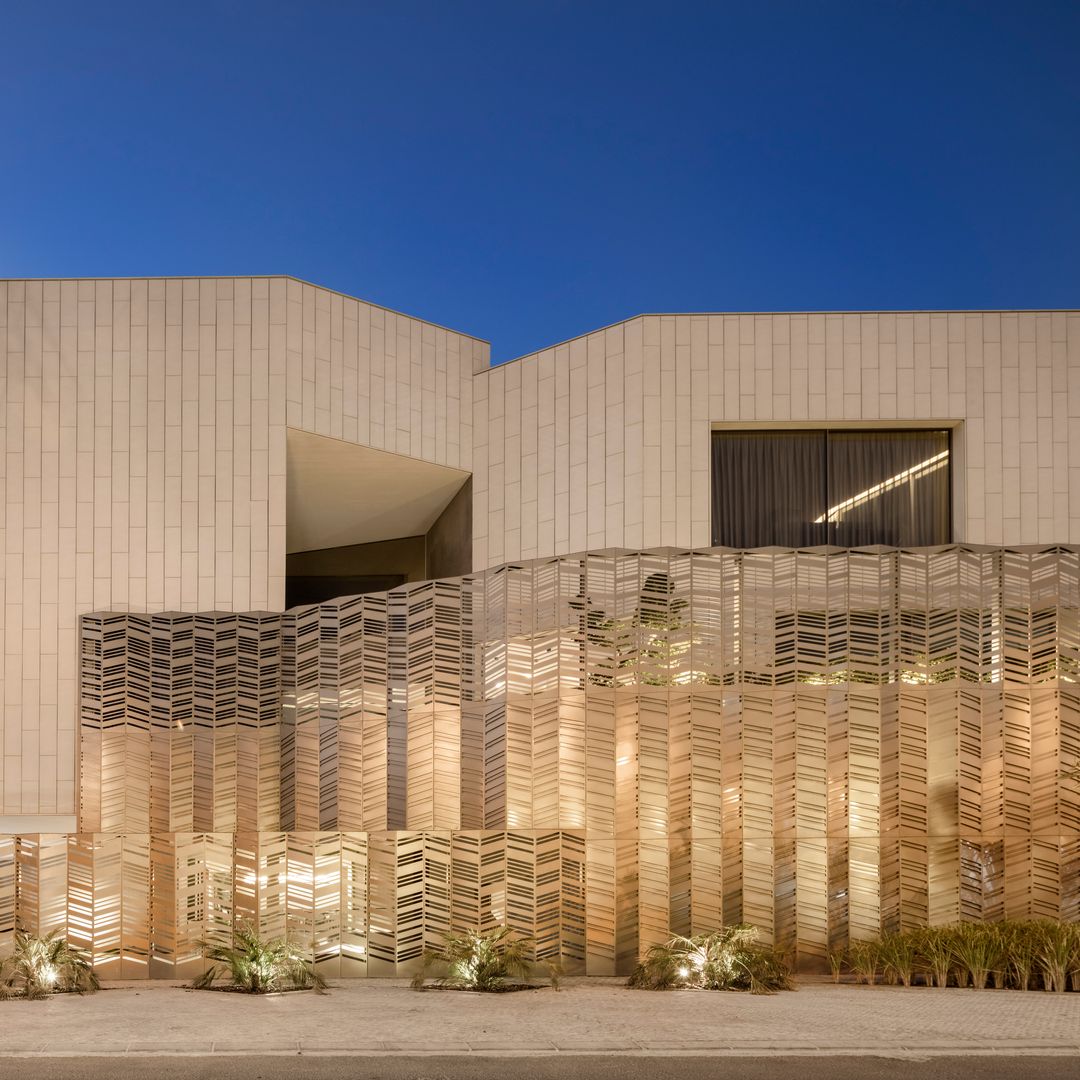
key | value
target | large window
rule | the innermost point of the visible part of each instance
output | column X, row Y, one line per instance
column 798, row 488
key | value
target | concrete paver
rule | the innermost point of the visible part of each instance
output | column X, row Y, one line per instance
column 587, row 1016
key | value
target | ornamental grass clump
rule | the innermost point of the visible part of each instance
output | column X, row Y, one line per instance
column 899, row 955
column 254, row 966
column 935, row 953
column 487, row 961
column 1057, row 954
column 979, row 952
column 864, row 959
column 1013, row 954
column 1021, row 948
column 40, row 966
column 730, row 958
column 837, row 959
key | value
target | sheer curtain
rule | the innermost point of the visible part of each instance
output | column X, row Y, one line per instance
column 850, row 488
column 889, row 487
column 768, row 488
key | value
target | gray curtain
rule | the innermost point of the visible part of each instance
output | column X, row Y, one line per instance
column 889, row 488
column 768, row 487
column 850, row 488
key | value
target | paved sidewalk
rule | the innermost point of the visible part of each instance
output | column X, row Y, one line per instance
column 587, row 1016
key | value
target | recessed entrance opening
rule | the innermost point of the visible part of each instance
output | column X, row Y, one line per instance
column 363, row 520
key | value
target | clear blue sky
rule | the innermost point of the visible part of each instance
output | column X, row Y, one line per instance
column 530, row 171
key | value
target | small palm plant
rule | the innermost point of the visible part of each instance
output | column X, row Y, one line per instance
column 256, row 966
column 40, row 966
column 487, row 960
column 730, row 958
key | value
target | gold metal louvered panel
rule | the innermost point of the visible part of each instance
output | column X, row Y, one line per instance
column 602, row 898
column 353, row 914
column 135, row 883
column 341, row 712
column 164, row 914
column 103, row 864
column 39, row 865
column 176, row 648
column 466, row 875
column 810, row 781
column 437, row 887
column 300, row 762
column 79, row 893
column 9, row 895
column 472, row 799
column 326, row 903
column 596, row 748
column 300, row 890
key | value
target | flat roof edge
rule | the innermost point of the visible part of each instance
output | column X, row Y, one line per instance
column 249, row 277
column 841, row 311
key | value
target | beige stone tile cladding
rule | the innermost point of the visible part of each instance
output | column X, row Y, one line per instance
column 144, row 465
column 603, row 441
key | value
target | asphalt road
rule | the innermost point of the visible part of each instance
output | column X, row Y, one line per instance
column 294, row 1067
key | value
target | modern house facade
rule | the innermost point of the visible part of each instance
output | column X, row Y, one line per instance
column 314, row 618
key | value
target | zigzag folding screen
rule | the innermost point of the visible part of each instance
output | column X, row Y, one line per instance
column 596, row 749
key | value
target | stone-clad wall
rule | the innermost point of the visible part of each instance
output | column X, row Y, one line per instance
column 144, row 431
column 603, row 441
column 596, row 749
column 144, row 465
